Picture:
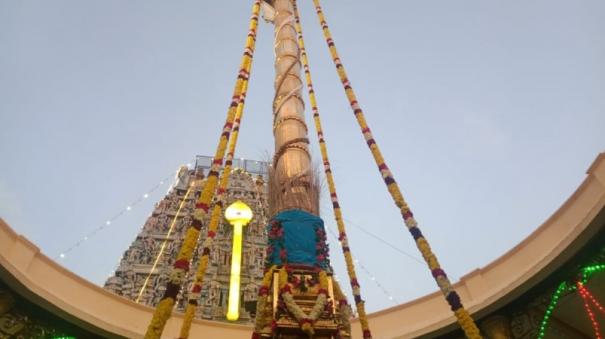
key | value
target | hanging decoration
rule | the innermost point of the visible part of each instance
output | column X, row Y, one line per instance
column 112, row 219
column 264, row 316
column 591, row 297
column 580, row 286
column 216, row 217
column 591, row 316
column 305, row 321
column 181, row 266
column 369, row 274
column 464, row 319
column 296, row 239
column 355, row 286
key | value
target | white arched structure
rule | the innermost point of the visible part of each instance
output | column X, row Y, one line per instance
column 44, row 282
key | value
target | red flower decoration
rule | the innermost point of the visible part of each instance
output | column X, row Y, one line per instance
column 182, row 264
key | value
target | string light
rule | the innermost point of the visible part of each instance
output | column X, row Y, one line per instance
column 595, row 324
column 410, row 256
column 551, row 307
column 385, row 242
column 586, row 273
column 366, row 271
column 591, row 297
column 109, row 221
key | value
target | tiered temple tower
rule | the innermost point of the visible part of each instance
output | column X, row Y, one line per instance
column 248, row 184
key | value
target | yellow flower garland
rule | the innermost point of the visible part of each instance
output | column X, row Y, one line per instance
column 359, row 304
column 164, row 308
column 263, row 318
column 216, row 215
column 447, row 289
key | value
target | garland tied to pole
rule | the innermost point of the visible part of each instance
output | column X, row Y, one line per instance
column 181, row 265
column 344, row 243
column 306, row 321
column 466, row 322
column 263, row 318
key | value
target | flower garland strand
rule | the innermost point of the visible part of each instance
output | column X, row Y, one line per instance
column 263, row 318
column 359, row 303
column 216, row 217
column 181, row 265
column 463, row 317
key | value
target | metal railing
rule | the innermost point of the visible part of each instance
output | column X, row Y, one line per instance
column 250, row 166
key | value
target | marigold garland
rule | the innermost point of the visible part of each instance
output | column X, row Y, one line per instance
column 216, row 216
column 263, row 318
column 359, row 303
column 306, row 321
column 181, row 265
column 464, row 319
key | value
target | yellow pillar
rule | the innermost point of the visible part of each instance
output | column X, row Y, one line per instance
column 239, row 215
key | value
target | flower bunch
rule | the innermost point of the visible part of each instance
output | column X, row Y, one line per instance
column 322, row 251
column 275, row 236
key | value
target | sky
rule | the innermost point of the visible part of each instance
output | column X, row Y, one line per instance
column 488, row 113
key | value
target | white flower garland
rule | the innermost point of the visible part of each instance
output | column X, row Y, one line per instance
column 306, row 321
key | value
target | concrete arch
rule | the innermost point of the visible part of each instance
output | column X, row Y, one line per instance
column 46, row 283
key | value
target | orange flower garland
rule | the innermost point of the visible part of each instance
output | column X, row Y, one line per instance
column 359, row 303
column 181, row 265
column 464, row 319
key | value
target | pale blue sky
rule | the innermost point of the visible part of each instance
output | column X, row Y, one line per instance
column 488, row 113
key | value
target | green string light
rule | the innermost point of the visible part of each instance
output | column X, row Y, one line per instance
column 587, row 272
column 551, row 307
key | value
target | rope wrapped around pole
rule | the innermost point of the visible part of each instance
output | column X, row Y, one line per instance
column 342, row 237
column 452, row 297
column 181, row 265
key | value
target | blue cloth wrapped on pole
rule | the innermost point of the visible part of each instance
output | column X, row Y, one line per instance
column 301, row 235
